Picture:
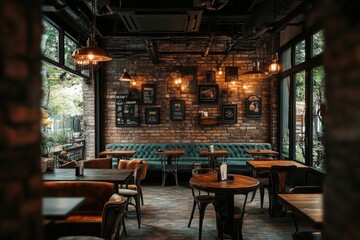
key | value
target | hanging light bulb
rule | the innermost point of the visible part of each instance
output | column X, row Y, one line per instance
column 274, row 67
column 220, row 72
column 91, row 54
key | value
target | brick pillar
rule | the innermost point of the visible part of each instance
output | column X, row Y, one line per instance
column 342, row 66
column 20, row 93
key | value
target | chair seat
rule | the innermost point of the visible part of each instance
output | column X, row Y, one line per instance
column 127, row 192
column 205, row 198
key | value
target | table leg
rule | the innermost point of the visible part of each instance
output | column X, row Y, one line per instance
column 224, row 205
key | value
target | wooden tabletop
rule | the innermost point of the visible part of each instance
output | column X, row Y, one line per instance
column 240, row 185
column 261, row 152
column 171, row 153
column 307, row 205
column 266, row 164
column 117, row 176
column 60, row 207
column 215, row 153
column 122, row 153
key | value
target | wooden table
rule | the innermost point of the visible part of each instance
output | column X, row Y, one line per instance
column 213, row 156
column 170, row 154
column 60, row 207
column 266, row 164
column 224, row 196
column 262, row 152
column 116, row 176
column 119, row 154
column 308, row 206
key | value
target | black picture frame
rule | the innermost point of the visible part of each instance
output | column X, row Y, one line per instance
column 152, row 115
column 210, row 76
column 253, row 107
column 126, row 111
column 208, row 93
column 231, row 74
column 228, row 114
column 148, row 94
column 189, row 81
column 177, row 110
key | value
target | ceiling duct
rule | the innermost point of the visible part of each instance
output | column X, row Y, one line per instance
column 263, row 15
column 160, row 16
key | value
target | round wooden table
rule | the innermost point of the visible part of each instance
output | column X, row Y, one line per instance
column 224, row 197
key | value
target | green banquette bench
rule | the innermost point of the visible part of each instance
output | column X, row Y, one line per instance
column 236, row 160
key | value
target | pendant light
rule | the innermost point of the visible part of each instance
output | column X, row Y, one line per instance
column 255, row 73
column 91, row 54
column 125, row 77
column 274, row 66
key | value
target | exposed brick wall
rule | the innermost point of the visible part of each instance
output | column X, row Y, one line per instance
column 89, row 118
column 163, row 75
column 20, row 93
column 342, row 66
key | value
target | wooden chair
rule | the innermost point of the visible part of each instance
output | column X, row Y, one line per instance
column 263, row 177
column 111, row 220
column 132, row 164
column 281, row 179
column 201, row 200
column 133, row 194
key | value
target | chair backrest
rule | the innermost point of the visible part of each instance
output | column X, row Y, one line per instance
column 102, row 163
column 132, row 164
column 137, row 173
column 281, row 177
column 306, row 189
column 112, row 216
column 199, row 171
column 71, row 164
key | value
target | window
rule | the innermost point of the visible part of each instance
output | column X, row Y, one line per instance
column 300, row 52
column 284, row 108
column 302, row 101
column 317, row 43
column 318, row 75
column 286, row 59
column 50, row 42
column 300, row 111
column 69, row 48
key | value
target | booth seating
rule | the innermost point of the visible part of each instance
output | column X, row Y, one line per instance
column 236, row 160
column 86, row 220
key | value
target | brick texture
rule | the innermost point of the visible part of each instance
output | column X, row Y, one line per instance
column 20, row 93
column 163, row 75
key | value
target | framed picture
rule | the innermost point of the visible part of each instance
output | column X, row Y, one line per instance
column 189, row 82
column 126, row 111
column 231, row 74
column 148, row 94
column 208, row 93
column 210, row 76
column 152, row 115
column 177, row 111
column 228, row 113
column 253, row 107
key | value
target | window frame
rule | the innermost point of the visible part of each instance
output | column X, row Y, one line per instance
column 307, row 66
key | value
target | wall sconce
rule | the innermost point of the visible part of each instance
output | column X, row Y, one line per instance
column 220, row 72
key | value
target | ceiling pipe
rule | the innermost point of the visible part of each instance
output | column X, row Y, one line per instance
column 263, row 15
column 214, row 4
